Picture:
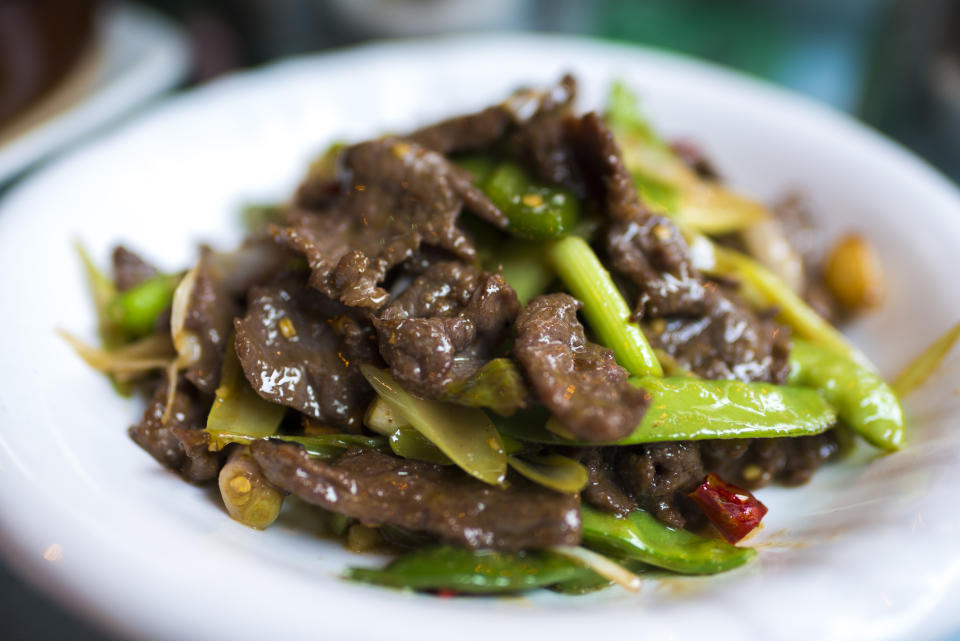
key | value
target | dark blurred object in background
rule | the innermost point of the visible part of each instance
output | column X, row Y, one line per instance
column 41, row 42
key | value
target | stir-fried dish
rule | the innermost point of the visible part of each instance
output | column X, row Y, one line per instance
column 521, row 348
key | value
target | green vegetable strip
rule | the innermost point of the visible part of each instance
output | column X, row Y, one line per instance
column 554, row 471
column 136, row 310
column 862, row 399
column 640, row 537
column 533, row 209
column 103, row 291
column 475, row 572
column 464, row 434
column 407, row 442
column 793, row 310
column 685, row 409
column 497, row 385
column 922, row 367
column 324, row 446
column 522, row 265
column 605, row 309
column 237, row 408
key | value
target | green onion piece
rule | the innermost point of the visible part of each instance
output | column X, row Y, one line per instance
column 923, row 366
column 103, row 291
column 862, row 399
column 237, row 408
column 135, row 311
column 683, row 409
column 409, row 443
column 553, row 471
column 473, row 571
column 247, row 494
column 640, row 537
column 323, row 446
column 605, row 309
column 464, row 434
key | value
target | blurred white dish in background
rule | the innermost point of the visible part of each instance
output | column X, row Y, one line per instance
column 138, row 55
column 868, row 550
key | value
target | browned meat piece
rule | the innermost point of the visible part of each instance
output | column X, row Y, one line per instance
column 757, row 462
column 210, row 313
column 440, row 500
column 301, row 349
column 482, row 130
column 729, row 341
column 602, row 490
column 693, row 157
column 178, row 444
column 129, row 270
column 397, row 197
column 579, row 382
column 445, row 326
column 657, row 475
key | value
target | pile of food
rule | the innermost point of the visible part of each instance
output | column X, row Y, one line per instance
column 521, row 347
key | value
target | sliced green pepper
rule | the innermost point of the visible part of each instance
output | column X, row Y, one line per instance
column 862, row 399
column 640, row 537
column 474, row 572
column 534, row 210
column 135, row 311
column 685, row 409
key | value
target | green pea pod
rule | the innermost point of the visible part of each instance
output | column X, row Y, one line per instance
column 497, row 385
column 533, row 210
column 684, row 409
column 136, row 310
column 641, row 537
column 554, row 471
column 862, row 399
column 464, row 434
column 474, row 572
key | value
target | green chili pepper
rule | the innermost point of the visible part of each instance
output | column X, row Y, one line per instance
column 605, row 309
column 474, row 572
column 497, row 385
column 862, row 399
column 683, row 409
column 640, row 537
column 533, row 210
column 136, row 310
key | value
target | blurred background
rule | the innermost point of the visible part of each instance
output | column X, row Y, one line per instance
column 893, row 64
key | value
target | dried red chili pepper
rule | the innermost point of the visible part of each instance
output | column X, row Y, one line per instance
column 733, row 510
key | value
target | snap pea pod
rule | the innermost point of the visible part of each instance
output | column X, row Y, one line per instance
column 683, row 409
column 862, row 399
column 640, row 537
column 474, row 572
column 135, row 311
column 465, row 434
column 605, row 309
column 534, row 210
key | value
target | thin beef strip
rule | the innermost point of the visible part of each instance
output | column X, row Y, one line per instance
column 210, row 313
column 482, row 130
column 445, row 326
column 129, row 270
column 580, row 382
column 301, row 349
column 440, row 500
column 179, row 444
column 396, row 197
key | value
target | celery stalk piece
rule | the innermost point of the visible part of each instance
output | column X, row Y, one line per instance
column 922, row 367
column 464, row 434
column 605, row 309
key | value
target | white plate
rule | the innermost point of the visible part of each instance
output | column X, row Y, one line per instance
column 870, row 549
column 139, row 54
